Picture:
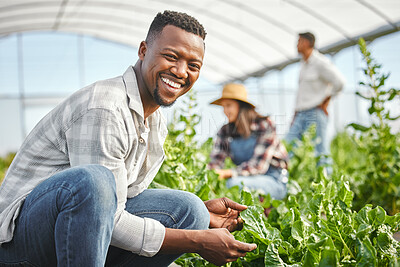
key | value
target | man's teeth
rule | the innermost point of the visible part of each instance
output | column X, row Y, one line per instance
column 171, row 83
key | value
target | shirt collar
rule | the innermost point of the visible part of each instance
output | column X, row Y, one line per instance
column 132, row 90
column 313, row 56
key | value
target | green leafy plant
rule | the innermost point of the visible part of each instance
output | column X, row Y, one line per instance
column 324, row 231
column 315, row 226
column 303, row 167
column 377, row 175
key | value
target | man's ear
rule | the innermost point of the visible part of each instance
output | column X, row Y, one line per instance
column 142, row 50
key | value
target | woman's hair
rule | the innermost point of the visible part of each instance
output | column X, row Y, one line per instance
column 247, row 115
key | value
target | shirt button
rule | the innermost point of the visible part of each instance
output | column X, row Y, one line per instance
column 141, row 140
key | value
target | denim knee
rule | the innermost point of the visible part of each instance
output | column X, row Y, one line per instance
column 197, row 216
column 97, row 182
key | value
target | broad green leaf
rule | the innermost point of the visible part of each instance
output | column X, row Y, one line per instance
column 203, row 191
column 385, row 242
column 316, row 204
column 310, row 258
column 364, row 230
column 329, row 258
column 253, row 221
column 246, row 198
column 345, row 194
column 362, row 215
column 377, row 216
column 366, row 253
column 393, row 221
column 340, row 231
column 298, row 231
column 272, row 257
column 330, row 191
column 292, row 202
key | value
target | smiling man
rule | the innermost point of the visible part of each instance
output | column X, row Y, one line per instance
column 76, row 193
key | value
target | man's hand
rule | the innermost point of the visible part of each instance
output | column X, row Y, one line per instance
column 324, row 105
column 220, row 247
column 224, row 173
column 224, row 213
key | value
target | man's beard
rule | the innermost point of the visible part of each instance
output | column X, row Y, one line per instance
column 159, row 100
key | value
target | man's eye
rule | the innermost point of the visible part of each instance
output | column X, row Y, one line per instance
column 194, row 66
column 170, row 57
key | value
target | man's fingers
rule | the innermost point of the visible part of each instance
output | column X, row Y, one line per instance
column 240, row 224
column 246, row 247
column 240, row 254
column 233, row 205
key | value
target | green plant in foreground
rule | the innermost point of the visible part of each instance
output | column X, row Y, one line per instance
column 303, row 167
column 377, row 175
column 315, row 226
column 323, row 232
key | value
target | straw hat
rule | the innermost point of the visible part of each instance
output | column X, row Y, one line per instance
column 233, row 91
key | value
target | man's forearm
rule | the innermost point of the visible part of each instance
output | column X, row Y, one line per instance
column 178, row 241
column 217, row 245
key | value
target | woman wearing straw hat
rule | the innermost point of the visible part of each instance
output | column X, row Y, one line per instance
column 250, row 140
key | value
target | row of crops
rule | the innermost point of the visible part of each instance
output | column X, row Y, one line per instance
column 346, row 218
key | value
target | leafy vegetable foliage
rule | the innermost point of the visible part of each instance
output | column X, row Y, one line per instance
column 315, row 226
column 377, row 174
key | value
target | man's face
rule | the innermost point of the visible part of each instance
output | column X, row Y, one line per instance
column 302, row 45
column 171, row 64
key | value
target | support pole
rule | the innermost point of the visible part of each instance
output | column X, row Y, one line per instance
column 21, row 85
column 81, row 60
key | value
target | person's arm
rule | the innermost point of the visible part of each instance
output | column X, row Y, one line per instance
column 215, row 245
column 99, row 137
column 331, row 75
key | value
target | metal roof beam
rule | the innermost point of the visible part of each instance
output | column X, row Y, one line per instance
column 376, row 11
column 330, row 49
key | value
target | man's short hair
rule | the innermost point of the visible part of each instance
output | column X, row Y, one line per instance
column 308, row 36
column 177, row 19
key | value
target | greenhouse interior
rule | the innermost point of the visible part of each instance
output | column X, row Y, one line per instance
column 339, row 208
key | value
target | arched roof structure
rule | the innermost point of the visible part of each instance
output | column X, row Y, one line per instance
column 245, row 38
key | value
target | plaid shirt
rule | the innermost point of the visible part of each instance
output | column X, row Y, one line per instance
column 268, row 151
column 99, row 124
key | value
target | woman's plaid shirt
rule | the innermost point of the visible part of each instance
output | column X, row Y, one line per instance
column 268, row 150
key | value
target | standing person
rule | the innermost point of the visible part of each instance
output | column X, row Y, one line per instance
column 319, row 80
column 75, row 194
column 250, row 140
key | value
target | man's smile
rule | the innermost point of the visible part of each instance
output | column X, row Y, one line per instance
column 170, row 83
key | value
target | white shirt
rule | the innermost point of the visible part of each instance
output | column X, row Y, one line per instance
column 102, row 123
column 318, row 79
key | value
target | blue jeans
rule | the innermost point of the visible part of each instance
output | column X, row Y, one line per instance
column 67, row 220
column 273, row 182
column 302, row 121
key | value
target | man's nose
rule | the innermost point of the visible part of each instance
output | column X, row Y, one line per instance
column 180, row 69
